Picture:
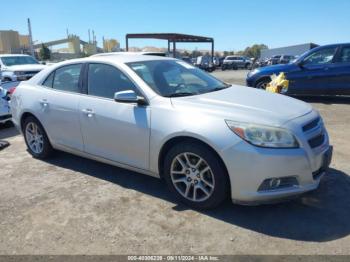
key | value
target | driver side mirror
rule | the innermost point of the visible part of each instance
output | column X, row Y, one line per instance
column 129, row 96
column 300, row 64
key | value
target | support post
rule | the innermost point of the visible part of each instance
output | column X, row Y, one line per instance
column 31, row 48
column 127, row 43
column 212, row 51
column 174, row 49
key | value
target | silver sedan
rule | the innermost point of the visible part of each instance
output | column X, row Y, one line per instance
column 163, row 117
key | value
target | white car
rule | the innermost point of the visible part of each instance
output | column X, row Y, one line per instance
column 166, row 118
column 19, row 67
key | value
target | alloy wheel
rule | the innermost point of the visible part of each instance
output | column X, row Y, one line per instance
column 192, row 177
column 34, row 137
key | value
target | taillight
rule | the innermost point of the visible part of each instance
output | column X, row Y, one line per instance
column 12, row 90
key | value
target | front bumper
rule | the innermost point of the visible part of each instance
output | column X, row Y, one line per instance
column 5, row 118
column 249, row 167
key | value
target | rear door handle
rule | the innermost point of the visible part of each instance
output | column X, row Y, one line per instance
column 88, row 112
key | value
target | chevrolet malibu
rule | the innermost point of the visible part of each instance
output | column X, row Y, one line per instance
column 163, row 117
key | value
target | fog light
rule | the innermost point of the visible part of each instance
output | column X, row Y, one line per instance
column 278, row 183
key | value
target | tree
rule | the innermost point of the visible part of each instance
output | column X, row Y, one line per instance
column 186, row 54
column 254, row 51
column 196, row 53
column 44, row 52
column 226, row 53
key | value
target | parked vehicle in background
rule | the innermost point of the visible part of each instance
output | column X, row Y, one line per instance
column 260, row 63
column 5, row 115
column 187, row 59
column 19, row 67
column 286, row 59
column 166, row 118
column 216, row 61
column 10, row 86
column 236, row 62
column 280, row 59
column 205, row 63
column 324, row 70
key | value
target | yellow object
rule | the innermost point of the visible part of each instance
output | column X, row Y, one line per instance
column 279, row 84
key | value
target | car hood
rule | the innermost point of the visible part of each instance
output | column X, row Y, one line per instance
column 29, row 67
column 245, row 104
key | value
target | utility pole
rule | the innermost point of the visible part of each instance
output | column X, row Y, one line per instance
column 31, row 48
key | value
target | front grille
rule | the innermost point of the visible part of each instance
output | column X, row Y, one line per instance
column 311, row 125
column 31, row 72
column 317, row 141
column 5, row 117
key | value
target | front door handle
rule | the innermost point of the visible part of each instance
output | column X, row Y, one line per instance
column 88, row 112
column 44, row 103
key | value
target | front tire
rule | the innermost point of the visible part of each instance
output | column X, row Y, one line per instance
column 196, row 175
column 262, row 84
column 36, row 138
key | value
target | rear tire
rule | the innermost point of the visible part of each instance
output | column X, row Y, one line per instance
column 36, row 138
column 196, row 176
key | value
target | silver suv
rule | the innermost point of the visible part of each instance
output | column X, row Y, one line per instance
column 236, row 62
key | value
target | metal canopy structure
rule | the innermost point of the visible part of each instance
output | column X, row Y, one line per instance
column 172, row 38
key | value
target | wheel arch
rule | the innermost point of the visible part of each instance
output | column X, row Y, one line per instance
column 26, row 115
column 262, row 78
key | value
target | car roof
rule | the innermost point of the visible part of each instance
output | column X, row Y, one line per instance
column 130, row 53
column 110, row 58
column 8, row 55
column 120, row 58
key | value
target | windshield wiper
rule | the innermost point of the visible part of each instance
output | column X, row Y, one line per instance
column 181, row 94
column 220, row 88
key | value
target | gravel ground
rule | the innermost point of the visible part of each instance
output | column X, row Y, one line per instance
column 71, row 205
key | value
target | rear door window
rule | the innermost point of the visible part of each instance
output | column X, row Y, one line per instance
column 49, row 80
column 66, row 78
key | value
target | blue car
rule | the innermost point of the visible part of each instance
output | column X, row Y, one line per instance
column 324, row 70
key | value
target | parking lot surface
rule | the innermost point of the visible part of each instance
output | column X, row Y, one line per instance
column 71, row 205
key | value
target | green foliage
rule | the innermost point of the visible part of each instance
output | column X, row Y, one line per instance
column 44, row 53
column 254, row 51
column 185, row 53
column 196, row 53
column 83, row 54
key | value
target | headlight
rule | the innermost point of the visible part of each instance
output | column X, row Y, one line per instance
column 19, row 73
column 254, row 72
column 263, row 136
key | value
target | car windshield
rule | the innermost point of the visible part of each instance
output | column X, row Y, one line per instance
column 170, row 78
column 18, row 60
